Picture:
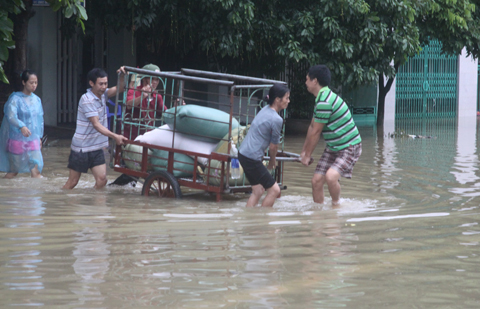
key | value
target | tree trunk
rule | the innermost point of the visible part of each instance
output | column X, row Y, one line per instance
column 20, row 32
column 381, row 100
column 383, row 89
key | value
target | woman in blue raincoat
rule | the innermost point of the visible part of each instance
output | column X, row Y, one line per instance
column 22, row 130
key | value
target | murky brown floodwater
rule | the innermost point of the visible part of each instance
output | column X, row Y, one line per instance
column 407, row 235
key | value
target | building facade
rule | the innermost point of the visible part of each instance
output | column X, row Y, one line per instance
column 62, row 63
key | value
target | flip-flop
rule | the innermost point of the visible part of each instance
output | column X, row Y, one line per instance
column 123, row 180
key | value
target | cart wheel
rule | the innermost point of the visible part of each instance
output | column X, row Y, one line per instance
column 161, row 184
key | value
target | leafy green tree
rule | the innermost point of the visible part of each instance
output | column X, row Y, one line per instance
column 6, row 31
column 362, row 41
column 453, row 22
column 16, row 27
column 366, row 41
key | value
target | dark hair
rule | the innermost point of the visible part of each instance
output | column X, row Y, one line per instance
column 22, row 77
column 96, row 73
column 276, row 91
column 26, row 75
column 321, row 73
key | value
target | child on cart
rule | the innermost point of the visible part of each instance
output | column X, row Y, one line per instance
column 143, row 105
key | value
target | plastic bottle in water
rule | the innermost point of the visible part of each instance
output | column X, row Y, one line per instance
column 235, row 165
column 235, row 169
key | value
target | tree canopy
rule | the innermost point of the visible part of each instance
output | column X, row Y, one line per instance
column 6, row 31
column 360, row 40
column 20, row 10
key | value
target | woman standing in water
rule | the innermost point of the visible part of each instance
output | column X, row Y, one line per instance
column 22, row 130
column 265, row 132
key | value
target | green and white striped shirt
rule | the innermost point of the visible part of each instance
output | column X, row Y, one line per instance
column 340, row 130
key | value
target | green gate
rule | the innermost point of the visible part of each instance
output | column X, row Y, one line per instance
column 426, row 85
column 362, row 102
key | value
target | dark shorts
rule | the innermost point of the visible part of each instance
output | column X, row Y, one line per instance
column 82, row 161
column 256, row 172
column 342, row 161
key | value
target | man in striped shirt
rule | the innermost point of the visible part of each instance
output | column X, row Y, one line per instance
column 91, row 135
column 343, row 142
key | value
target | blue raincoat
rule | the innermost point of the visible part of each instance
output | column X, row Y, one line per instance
column 20, row 154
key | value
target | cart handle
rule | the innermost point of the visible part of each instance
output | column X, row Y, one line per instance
column 285, row 159
column 291, row 157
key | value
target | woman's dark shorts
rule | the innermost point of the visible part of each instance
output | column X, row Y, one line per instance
column 256, row 172
column 82, row 161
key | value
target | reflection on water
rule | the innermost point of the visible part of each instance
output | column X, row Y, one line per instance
column 406, row 235
column 91, row 252
column 23, row 224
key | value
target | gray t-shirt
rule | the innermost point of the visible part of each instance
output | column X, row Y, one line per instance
column 86, row 137
column 266, row 128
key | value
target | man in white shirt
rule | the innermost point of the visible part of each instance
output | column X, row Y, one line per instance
column 91, row 134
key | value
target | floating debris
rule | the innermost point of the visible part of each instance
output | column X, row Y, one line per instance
column 403, row 134
column 421, row 136
column 397, row 134
column 52, row 143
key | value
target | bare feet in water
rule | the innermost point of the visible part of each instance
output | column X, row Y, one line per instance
column 335, row 204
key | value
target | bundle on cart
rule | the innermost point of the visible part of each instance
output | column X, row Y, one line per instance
column 199, row 129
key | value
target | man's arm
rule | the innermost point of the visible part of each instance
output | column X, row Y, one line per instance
column 100, row 128
column 138, row 99
column 121, row 85
column 272, row 152
column 135, row 102
column 313, row 135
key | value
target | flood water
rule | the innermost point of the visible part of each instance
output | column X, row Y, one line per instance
column 407, row 235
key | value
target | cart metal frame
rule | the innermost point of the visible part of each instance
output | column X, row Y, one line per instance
column 241, row 92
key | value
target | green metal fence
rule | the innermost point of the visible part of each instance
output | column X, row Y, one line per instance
column 362, row 102
column 426, row 85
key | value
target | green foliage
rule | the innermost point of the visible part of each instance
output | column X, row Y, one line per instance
column 69, row 8
column 357, row 39
column 6, row 30
column 456, row 23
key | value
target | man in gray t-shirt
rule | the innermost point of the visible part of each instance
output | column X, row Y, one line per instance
column 265, row 132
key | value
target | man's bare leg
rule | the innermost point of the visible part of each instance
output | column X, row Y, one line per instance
column 333, row 177
column 318, row 180
column 73, row 179
column 257, row 192
column 100, row 174
column 272, row 193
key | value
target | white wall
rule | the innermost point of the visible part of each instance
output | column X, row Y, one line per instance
column 467, row 87
column 467, row 120
column 42, row 58
column 466, row 161
column 389, row 118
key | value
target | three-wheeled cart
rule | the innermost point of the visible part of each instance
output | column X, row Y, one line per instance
column 188, row 142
